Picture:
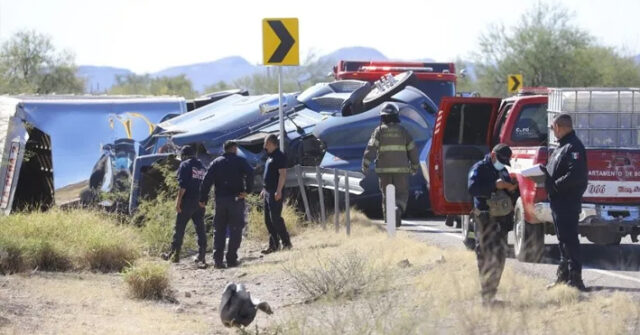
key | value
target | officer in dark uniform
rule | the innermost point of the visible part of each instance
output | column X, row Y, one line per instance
column 190, row 175
column 566, row 182
column 233, row 179
column 485, row 178
column 275, row 174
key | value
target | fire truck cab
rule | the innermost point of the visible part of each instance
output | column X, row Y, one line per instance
column 436, row 80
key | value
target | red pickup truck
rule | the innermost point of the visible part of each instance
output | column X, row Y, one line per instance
column 607, row 121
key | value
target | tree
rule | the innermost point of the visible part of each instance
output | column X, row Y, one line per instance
column 146, row 85
column 314, row 70
column 549, row 50
column 29, row 63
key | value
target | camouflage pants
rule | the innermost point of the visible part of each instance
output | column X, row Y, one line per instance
column 491, row 252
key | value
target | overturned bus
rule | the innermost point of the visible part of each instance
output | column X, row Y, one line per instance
column 56, row 148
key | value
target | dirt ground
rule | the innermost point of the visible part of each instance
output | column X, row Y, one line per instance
column 394, row 286
column 81, row 303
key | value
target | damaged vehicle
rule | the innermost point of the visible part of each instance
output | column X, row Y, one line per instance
column 56, row 148
column 327, row 125
column 337, row 137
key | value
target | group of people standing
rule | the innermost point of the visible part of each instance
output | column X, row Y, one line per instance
column 395, row 155
column 232, row 179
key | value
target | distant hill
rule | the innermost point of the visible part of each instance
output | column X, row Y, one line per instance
column 100, row 78
column 205, row 74
column 354, row 53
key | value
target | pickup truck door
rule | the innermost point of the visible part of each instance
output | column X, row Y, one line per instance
column 461, row 137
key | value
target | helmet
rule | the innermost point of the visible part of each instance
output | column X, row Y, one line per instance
column 389, row 109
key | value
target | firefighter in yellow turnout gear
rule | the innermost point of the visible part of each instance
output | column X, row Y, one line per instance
column 396, row 157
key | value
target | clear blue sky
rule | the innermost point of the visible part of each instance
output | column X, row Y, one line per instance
column 149, row 35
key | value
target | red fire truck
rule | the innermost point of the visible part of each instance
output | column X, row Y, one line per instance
column 436, row 80
column 607, row 121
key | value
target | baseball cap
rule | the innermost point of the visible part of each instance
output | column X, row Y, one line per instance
column 503, row 153
column 186, row 151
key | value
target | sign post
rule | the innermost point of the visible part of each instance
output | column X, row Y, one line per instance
column 280, row 47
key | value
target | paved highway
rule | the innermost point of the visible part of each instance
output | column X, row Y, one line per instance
column 606, row 268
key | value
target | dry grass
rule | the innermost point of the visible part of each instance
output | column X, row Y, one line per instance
column 257, row 230
column 148, row 280
column 336, row 276
column 157, row 220
column 60, row 240
column 427, row 290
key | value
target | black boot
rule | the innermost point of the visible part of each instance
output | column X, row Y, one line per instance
column 575, row 280
column 167, row 255
column 562, row 276
column 175, row 258
column 201, row 260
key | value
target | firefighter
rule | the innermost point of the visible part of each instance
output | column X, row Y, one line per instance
column 190, row 175
column 233, row 179
column 396, row 157
column 486, row 177
column 565, row 184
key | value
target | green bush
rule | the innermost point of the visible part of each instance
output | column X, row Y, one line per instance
column 157, row 219
column 257, row 230
column 60, row 240
column 148, row 280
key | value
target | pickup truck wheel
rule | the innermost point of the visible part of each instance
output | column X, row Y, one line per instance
column 529, row 238
column 467, row 226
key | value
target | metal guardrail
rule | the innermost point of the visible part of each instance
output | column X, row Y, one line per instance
column 347, row 182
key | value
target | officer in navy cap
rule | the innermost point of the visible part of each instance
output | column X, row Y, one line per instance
column 190, row 175
column 486, row 178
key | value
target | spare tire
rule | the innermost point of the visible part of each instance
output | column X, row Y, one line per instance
column 380, row 94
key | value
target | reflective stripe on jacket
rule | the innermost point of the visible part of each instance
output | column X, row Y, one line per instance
column 393, row 149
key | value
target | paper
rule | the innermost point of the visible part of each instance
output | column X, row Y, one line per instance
column 534, row 171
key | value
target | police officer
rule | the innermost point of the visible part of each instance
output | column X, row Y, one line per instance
column 566, row 182
column 190, row 175
column 275, row 174
column 233, row 179
column 486, row 177
column 396, row 157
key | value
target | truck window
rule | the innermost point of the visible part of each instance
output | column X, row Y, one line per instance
column 531, row 124
column 503, row 117
column 467, row 124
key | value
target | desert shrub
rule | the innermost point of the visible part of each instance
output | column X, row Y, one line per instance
column 156, row 226
column 60, row 240
column 336, row 275
column 148, row 280
column 256, row 228
column 156, row 217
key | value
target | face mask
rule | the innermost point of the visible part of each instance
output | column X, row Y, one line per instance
column 498, row 166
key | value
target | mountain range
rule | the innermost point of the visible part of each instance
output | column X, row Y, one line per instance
column 228, row 69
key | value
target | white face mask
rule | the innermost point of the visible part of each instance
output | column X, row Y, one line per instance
column 498, row 166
